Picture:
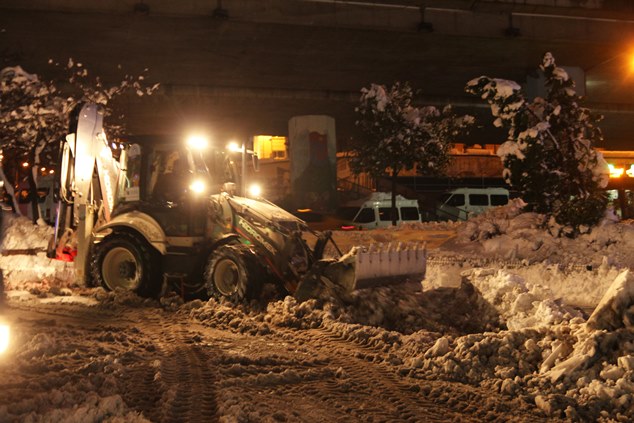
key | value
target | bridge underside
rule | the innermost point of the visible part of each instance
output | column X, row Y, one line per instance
column 250, row 71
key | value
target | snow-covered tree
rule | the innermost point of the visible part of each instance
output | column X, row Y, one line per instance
column 399, row 136
column 549, row 154
column 34, row 115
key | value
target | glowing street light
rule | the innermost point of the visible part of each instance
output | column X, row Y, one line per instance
column 615, row 172
column 626, row 60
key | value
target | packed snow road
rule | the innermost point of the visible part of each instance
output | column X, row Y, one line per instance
column 133, row 359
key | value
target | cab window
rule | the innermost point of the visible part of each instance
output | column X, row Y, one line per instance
column 130, row 186
column 169, row 175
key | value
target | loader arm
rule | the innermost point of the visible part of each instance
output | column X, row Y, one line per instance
column 277, row 238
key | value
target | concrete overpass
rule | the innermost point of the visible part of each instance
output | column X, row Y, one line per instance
column 244, row 67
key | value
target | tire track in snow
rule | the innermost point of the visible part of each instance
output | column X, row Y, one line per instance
column 187, row 380
column 399, row 401
column 166, row 378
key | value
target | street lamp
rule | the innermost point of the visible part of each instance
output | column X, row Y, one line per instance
column 625, row 63
column 628, row 62
column 609, row 78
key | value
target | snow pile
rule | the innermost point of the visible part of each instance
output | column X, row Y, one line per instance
column 426, row 226
column 71, row 407
column 58, row 389
column 509, row 327
column 119, row 297
column 21, row 234
column 520, row 303
column 573, row 368
column 506, row 232
column 24, row 262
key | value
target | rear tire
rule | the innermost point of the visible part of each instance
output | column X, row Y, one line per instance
column 231, row 273
column 123, row 260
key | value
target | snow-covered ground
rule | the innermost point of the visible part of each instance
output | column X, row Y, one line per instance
column 540, row 321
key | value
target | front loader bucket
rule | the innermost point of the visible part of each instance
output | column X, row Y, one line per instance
column 385, row 264
column 364, row 267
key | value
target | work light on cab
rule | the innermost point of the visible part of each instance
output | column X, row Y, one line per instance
column 255, row 190
column 197, row 142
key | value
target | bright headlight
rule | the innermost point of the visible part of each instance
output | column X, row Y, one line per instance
column 5, row 335
column 233, row 146
column 255, row 190
column 197, row 142
column 198, row 186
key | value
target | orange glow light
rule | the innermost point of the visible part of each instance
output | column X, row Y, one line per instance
column 616, row 172
column 630, row 61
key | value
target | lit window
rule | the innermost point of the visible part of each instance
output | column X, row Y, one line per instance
column 270, row 147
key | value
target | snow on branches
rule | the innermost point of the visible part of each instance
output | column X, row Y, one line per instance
column 399, row 136
column 34, row 113
column 549, row 154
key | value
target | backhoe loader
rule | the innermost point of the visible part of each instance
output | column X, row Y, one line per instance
column 153, row 214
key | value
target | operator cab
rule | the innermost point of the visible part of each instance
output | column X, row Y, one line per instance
column 168, row 181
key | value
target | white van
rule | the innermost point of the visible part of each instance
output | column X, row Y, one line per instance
column 375, row 212
column 462, row 203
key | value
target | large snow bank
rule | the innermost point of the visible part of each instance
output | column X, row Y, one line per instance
column 549, row 357
column 506, row 232
column 24, row 262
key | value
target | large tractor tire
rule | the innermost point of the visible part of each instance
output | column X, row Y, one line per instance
column 231, row 274
column 123, row 260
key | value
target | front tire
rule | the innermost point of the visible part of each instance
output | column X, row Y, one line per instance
column 123, row 260
column 231, row 274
